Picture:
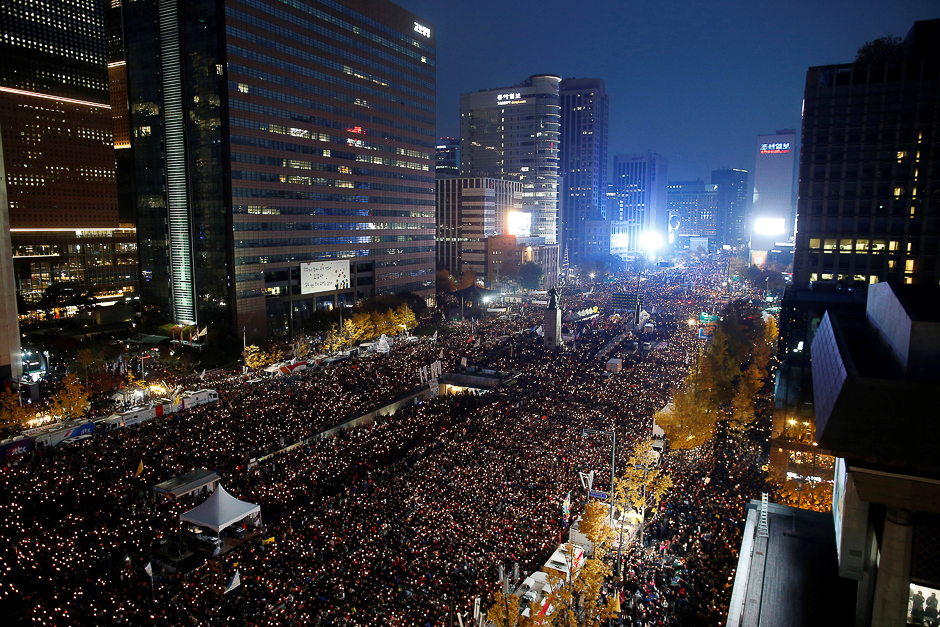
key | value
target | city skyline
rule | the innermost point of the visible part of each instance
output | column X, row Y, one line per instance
column 685, row 69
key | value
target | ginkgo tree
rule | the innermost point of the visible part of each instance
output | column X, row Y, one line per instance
column 643, row 484
column 575, row 599
column 689, row 422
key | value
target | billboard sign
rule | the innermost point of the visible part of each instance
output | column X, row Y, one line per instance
column 324, row 276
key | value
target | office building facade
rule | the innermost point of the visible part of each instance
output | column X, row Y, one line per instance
column 733, row 202
column 290, row 133
column 695, row 206
column 514, row 133
column 58, row 147
column 584, row 121
column 447, row 153
column 641, row 197
column 773, row 212
column 469, row 210
column 868, row 165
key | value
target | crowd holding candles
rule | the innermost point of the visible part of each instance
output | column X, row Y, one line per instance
column 399, row 522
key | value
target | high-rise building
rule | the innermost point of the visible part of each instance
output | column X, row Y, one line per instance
column 773, row 210
column 469, row 210
column 640, row 184
column 448, row 156
column 870, row 161
column 732, row 207
column 584, row 118
column 513, row 133
column 283, row 156
column 695, row 205
column 58, row 148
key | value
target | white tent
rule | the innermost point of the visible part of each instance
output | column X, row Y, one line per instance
column 219, row 511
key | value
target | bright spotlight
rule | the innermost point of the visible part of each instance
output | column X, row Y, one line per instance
column 650, row 241
column 770, row 226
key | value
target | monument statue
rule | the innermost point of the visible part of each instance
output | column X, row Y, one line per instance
column 552, row 298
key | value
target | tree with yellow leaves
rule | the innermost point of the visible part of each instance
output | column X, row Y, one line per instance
column 643, row 484
column 408, row 318
column 13, row 415
column 505, row 610
column 70, row 401
column 576, row 600
column 365, row 329
column 749, row 384
column 254, row 357
column 690, row 422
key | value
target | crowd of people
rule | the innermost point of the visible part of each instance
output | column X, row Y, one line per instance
column 400, row 522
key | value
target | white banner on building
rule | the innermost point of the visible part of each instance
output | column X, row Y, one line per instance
column 324, row 276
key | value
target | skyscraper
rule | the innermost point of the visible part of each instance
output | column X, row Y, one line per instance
column 584, row 118
column 640, row 184
column 695, row 204
column 513, row 133
column 56, row 120
column 447, row 156
column 297, row 141
column 732, row 207
column 773, row 211
column 869, row 165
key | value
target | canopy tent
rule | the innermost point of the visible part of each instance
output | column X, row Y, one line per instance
column 220, row 511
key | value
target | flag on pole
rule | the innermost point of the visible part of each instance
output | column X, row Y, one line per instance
column 203, row 332
column 234, row 583
column 149, row 569
column 140, row 468
column 434, row 337
column 202, row 376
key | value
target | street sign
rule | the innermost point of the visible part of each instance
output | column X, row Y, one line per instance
column 704, row 317
column 595, row 494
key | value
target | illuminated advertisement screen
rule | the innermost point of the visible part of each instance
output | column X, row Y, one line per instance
column 324, row 276
column 775, row 149
column 519, row 223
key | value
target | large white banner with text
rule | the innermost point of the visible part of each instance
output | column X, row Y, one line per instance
column 324, row 276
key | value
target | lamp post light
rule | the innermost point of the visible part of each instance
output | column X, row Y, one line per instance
column 613, row 461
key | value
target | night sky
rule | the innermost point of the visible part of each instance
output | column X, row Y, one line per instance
column 693, row 81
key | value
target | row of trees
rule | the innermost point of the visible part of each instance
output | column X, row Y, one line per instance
column 70, row 401
column 358, row 327
column 726, row 380
column 575, row 600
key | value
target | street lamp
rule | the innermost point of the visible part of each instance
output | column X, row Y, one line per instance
column 613, row 461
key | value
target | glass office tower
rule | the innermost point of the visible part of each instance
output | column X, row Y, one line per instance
column 268, row 134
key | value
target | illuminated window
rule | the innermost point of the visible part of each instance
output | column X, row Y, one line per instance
column 830, row 244
column 909, row 266
column 242, row 87
column 878, row 245
column 901, row 154
column 893, row 245
column 861, row 246
column 814, row 243
column 898, row 191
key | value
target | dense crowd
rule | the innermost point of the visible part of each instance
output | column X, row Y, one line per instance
column 399, row 522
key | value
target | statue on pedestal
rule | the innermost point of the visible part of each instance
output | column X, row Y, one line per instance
column 552, row 298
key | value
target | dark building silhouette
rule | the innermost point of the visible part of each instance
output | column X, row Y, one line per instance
column 869, row 168
column 583, row 162
column 447, row 156
column 733, row 202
